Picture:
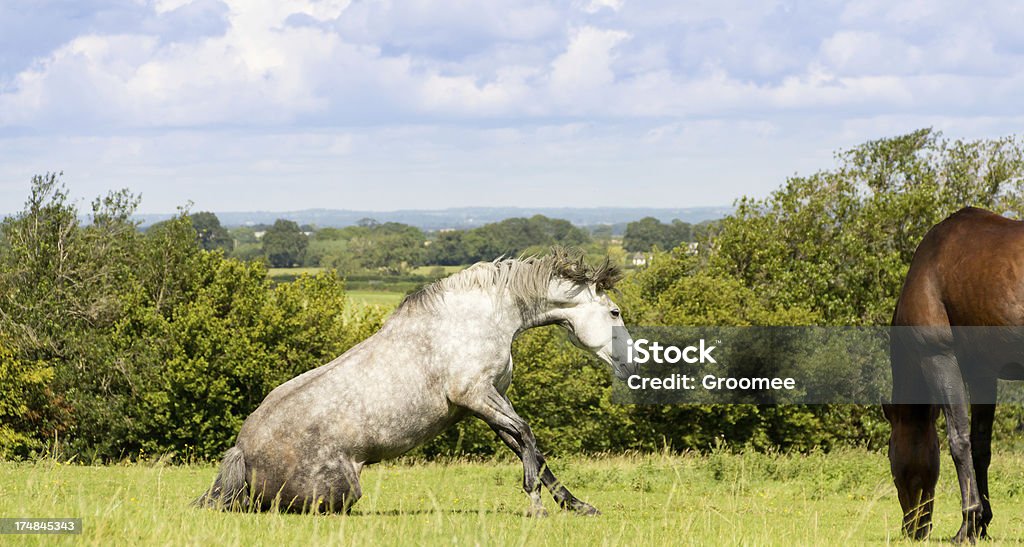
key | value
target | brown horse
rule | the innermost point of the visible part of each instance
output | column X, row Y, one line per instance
column 968, row 272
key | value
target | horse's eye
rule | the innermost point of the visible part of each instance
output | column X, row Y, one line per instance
column 616, row 313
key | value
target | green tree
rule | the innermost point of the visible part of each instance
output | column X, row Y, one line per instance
column 284, row 244
column 24, row 385
column 114, row 341
column 510, row 237
column 649, row 232
column 830, row 248
column 391, row 247
column 61, row 284
column 839, row 242
column 448, row 249
column 210, row 233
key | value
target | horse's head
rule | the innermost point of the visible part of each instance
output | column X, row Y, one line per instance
column 594, row 322
column 914, row 461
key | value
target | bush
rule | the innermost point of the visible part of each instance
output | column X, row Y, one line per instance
column 116, row 342
column 24, row 385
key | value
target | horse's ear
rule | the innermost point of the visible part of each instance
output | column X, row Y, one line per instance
column 887, row 409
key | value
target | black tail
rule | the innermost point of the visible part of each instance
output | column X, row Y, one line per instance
column 229, row 490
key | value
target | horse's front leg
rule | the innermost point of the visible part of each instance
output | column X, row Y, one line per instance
column 948, row 386
column 494, row 409
column 558, row 490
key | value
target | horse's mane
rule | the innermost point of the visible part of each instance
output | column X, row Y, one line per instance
column 525, row 278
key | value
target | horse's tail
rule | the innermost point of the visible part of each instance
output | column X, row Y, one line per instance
column 229, row 490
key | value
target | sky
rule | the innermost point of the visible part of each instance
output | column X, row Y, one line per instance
column 279, row 105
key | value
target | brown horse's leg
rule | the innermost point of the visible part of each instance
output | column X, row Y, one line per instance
column 982, row 415
column 944, row 377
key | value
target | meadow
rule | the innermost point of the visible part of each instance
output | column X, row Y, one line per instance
column 375, row 291
column 663, row 499
column 385, row 299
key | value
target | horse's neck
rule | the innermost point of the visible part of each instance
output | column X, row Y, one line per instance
column 498, row 312
column 541, row 315
column 495, row 309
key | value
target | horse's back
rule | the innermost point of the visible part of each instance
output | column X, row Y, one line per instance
column 968, row 270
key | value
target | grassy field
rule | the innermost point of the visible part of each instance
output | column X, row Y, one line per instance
column 386, row 299
column 388, row 294
column 291, row 273
column 838, row 498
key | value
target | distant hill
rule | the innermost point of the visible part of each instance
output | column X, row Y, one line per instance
column 462, row 217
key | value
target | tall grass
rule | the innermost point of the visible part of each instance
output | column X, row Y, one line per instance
column 718, row 498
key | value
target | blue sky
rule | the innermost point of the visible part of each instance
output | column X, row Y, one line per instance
column 282, row 104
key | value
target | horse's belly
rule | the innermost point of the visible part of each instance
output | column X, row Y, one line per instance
column 1012, row 371
column 362, row 427
column 397, row 434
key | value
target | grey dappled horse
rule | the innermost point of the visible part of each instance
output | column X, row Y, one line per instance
column 444, row 354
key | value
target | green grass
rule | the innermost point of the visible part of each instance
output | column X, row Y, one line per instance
column 388, row 295
column 383, row 297
column 378, row 289
column 293, row 272
column 386, row 299
column 839, row 498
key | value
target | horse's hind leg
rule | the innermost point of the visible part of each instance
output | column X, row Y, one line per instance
column 983, row 410
column 558, row 490
column 946, row 382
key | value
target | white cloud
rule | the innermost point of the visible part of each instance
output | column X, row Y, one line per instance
column 391, row 62
column 581, row 74
column 164, row 6
column 597, row 5
column 553, row 83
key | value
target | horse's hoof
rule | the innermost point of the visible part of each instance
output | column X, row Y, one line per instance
column 585, row 509
column 964, row 537
column 537, row 512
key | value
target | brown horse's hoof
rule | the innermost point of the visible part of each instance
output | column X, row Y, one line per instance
column 964, row 536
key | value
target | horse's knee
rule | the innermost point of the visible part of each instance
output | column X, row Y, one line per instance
column 531, row 480
column 339, row 498
column 959, row 444
column 352, row 490
column 336, row 488
column 355, row 492
column 961, row 452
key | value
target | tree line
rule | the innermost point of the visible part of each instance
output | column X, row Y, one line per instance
column 650, row 233
column 395, row 248
column 115, row 342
